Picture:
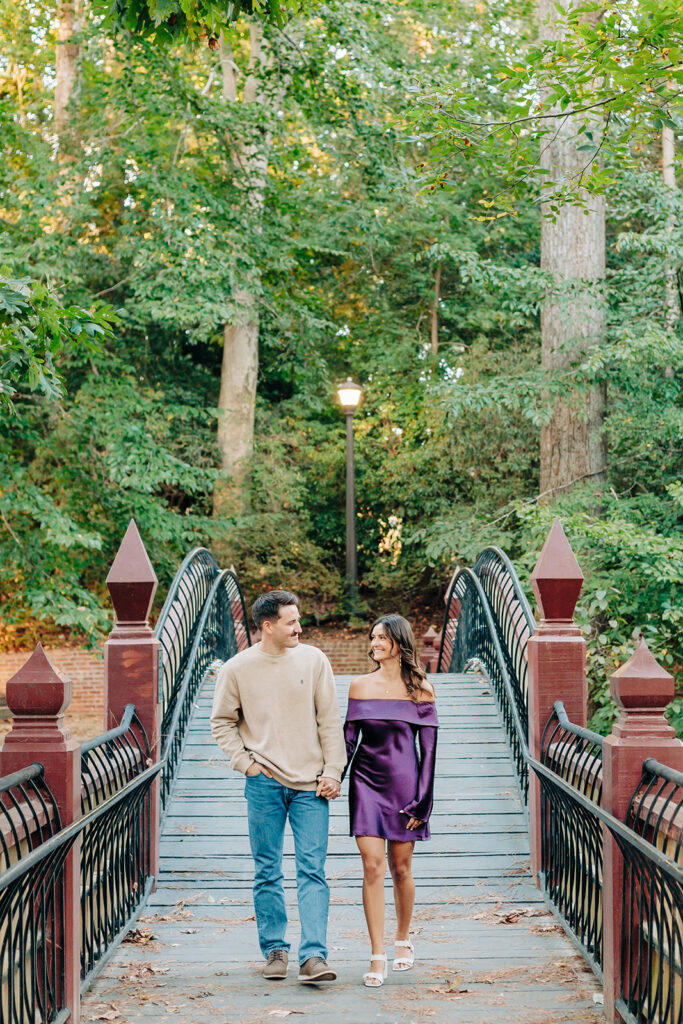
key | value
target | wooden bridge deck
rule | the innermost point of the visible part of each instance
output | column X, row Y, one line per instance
column 487, row 948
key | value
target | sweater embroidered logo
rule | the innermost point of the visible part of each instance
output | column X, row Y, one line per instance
column 301, row 681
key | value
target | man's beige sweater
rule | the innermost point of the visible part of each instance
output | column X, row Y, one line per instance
column 280, row 710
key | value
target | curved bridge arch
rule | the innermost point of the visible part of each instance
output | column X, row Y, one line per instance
column 488, row 622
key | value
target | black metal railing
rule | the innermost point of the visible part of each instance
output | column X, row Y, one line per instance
column 652, row 908
column 470, row 637
column 178, row 620
column 573, row 827
column 573, row 752
column 33, row 916
column 116, row 873
column 512, row 616
column 28, row 813
column 32, row 921
column 220, row 631
column 571, row 834
column 111, row 760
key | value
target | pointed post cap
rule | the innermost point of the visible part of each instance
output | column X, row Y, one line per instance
column 557, row 578
column 37, row 689
column 132, row 581
column 642, row 682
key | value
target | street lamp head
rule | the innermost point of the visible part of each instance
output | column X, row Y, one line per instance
column 349, row 395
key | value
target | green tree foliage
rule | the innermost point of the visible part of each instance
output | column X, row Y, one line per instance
column 188, row 21
column 146, row 207
column 617, row 57
column 35, row 330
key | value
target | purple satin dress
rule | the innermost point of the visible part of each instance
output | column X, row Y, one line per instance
column 388, row 781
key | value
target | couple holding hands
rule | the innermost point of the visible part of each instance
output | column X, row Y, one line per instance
column 275, row 714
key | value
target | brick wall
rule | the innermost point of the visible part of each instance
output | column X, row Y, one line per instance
column 348, row 655
column 84, row 669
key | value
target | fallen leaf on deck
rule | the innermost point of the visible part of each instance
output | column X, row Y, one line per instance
column 451, row 988
column 176, row 915
column 111, row 1014
column 509, row 916
column 140, row 936
column 141, row 972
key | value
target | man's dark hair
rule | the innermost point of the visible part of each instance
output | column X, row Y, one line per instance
column 268, row 605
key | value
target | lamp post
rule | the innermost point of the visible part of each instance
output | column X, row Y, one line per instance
column 349, row 397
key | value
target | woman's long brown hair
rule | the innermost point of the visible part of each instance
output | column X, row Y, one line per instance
column 398, row 629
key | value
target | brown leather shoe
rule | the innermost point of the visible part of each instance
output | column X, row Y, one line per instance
column 276, row 965
column 315, row 969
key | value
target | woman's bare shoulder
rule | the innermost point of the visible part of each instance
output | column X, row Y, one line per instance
column 360, row 686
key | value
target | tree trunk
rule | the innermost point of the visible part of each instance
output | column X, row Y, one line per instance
column 669, row 176
column 573, row 252
column 435, row 311
column 236, row 405
column 239, row 373
column 66, row 60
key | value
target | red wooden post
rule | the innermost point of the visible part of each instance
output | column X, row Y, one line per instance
column 557, row 659
column 641, row 689
column 131, row 657
column 429, row 656
column 37, row 697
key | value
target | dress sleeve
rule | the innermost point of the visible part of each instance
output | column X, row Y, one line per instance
column 352, row 731
column 421, row 806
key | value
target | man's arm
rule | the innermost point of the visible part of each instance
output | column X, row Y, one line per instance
column 225, row 718
column 330, row 732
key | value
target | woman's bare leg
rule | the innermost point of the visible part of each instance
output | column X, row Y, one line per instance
column 400, row 865
column 374, row 869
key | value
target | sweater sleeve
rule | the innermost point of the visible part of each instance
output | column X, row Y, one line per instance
column 225, row 719
column 421, row 806
column 352, row 731
column 328, row 718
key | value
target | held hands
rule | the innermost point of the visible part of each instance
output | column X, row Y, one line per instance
column 328, row 788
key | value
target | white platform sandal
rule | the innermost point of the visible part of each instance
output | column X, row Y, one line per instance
column 405, row 962
column 373, row 979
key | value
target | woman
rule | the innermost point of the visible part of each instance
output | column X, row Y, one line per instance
column 390, row 789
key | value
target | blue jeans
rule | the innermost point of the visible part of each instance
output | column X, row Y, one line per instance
column 268, row 804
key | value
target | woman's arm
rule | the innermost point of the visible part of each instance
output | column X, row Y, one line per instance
column 421, row 807
column 352, row 732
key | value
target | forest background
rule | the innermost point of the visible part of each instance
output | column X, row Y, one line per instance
column 203, row 227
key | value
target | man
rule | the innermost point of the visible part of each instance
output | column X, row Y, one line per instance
column 275, row 714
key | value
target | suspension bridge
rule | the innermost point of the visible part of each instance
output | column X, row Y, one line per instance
column 550, row 891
